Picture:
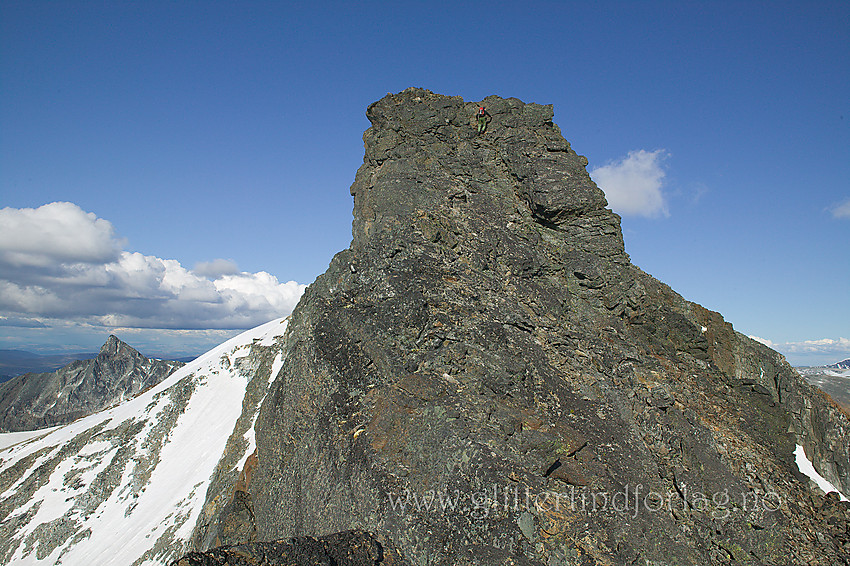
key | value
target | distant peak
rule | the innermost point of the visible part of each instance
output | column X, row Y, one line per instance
column 113, row 346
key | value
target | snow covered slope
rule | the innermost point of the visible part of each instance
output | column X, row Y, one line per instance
column 127, row 485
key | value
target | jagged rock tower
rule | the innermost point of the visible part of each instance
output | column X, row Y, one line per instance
column 483, row 377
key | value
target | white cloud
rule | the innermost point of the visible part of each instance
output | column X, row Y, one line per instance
column 633, row 184
column 45, row 276
column 55, row 232
column 26, row 298
column 821, row 346
column 842, row 210
column 216, row 268
column 252, row 291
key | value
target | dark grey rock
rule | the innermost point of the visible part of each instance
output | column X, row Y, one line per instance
column 483, row 377
column 351, row 548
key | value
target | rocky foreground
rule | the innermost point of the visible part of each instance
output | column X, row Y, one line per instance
column 483, row 377
column 350, row 548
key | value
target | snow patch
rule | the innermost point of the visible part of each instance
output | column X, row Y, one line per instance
column 250, row 435
column 805, row 466
column 845, row 373
column 274, row 333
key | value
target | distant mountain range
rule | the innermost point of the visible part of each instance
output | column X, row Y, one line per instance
column 833, row 379
column 80, row 388
column 19, row 362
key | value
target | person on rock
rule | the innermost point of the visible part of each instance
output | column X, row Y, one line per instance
column 482, row 119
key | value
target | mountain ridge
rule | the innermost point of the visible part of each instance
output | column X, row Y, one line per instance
column 126, row 486
column 82, row 387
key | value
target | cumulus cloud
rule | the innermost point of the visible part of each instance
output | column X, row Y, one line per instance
column 59, row 262
column 633, row 184
column 56, row 232
column 842, row 210
column 216, row 268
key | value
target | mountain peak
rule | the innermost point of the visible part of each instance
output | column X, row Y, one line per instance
column 486, row 340
column 483, row 377
column 80, row 388
column 424, row 154
column 113, row 346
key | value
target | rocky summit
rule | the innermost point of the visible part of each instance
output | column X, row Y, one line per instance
column 118, row 372
column 485, row 378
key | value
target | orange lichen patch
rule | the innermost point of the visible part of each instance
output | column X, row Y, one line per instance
column 556, row 520
column 247, row 471
column 559, row 526
column 389, row 428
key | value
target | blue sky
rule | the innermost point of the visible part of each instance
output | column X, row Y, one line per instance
column 204, row 151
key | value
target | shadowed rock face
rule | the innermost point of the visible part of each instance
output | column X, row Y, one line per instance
column 484, row 378
column 350, row 548
column 39, row 400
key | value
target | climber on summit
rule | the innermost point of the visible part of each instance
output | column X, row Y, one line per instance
column 482, row 119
